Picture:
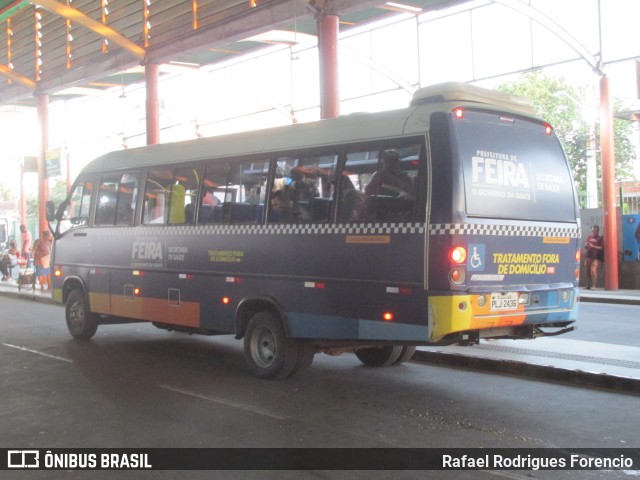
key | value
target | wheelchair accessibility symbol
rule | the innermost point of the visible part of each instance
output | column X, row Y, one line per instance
column 475, row 263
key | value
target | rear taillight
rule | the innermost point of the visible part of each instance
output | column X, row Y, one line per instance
column 458, row 255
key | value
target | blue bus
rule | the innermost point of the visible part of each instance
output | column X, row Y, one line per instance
column 447, row 222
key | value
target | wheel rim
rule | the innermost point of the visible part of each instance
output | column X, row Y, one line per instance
column 264, row 347
column 76, row 316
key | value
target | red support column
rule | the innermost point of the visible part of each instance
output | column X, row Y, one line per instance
column 152, row 76
column 610, row 219
column 43, row 183
column 23, row 201
column 328, row 28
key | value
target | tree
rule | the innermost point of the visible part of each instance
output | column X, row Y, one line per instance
column 6, row 195
column 56, row 194
column 564, row 107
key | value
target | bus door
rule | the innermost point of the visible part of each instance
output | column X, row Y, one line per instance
column 73, row 248
column 115, row 208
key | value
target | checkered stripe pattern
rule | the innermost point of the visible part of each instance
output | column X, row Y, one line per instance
column 503, row 230
column 275, row 229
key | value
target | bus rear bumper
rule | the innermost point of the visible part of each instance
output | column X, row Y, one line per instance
column 470, row 317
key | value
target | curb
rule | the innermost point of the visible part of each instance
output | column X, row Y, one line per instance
column 613, row 300
column 27, row 296
column 538, row 372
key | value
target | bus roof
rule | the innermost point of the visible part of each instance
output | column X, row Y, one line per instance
column 361, row 127
column 463, row 92
column 336, row 131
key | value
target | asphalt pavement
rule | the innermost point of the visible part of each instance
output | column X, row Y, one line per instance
column 559, row 359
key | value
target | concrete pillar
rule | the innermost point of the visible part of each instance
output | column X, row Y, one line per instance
column 152, row 76
column 23, row 200
column 328, row 29
column 43, row 182
column 610, row 222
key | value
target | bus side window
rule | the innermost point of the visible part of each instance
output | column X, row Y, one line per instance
column 214, row 194
column 313, row 181
column 157, row 194
column 247, row 188
column 356, row 175
column 380, row 185
column 77, row 212
column 127, row 198
column 183, row 193
column 303, row 189
column 107, row 198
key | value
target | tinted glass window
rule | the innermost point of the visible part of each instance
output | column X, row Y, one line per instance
column 184, row 195
column 107, row 200
column 234, row 192
column 513, row 169
column 303, row 189
column 127, row 197
column 380, row 185
column 76, row 212
column 157, row 196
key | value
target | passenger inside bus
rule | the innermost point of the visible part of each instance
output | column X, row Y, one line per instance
column 280, row 210
column 390, row 180
column 206, row 215
column 209, row 202
column 390, row 195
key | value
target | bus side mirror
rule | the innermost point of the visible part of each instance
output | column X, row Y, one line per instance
column 50, row 211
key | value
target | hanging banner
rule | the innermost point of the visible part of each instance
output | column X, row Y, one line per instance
column 53, row 162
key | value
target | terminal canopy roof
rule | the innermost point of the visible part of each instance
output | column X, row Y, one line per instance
column 67, row 48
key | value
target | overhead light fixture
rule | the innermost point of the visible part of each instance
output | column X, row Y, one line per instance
column 283, row 37
column 401, row 7
column 184, row 64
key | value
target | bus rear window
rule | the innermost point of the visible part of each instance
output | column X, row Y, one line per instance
column 513, row 169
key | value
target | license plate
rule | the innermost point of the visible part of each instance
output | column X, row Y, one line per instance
column 504, row 301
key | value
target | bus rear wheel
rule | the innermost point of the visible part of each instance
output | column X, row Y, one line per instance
column 406, row 354
column 80, row 322
column 269, row 353
column 379, row 356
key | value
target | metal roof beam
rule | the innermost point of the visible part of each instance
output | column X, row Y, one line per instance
column 12, row 9
column 556, row 29
column 104, row 31
column 16, row 77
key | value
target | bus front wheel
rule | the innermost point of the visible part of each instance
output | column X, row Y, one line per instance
column 80, row 322
column 379, row 356
column 269, row 353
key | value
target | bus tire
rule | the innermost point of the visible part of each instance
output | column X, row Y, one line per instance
column 268, row 351
column 379, row 356
column 306, row 354
column 80, row 321
column 406, row 354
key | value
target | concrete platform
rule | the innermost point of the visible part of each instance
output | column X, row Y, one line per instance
column 592, row 364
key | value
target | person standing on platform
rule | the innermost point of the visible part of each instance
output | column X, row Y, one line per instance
column 594, row 256
column 25, row 242
column 42, row 259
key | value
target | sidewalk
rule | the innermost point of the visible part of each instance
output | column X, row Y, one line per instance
column 10, row 288
column 576, row 362
column 592, row 364
column 621, row 297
